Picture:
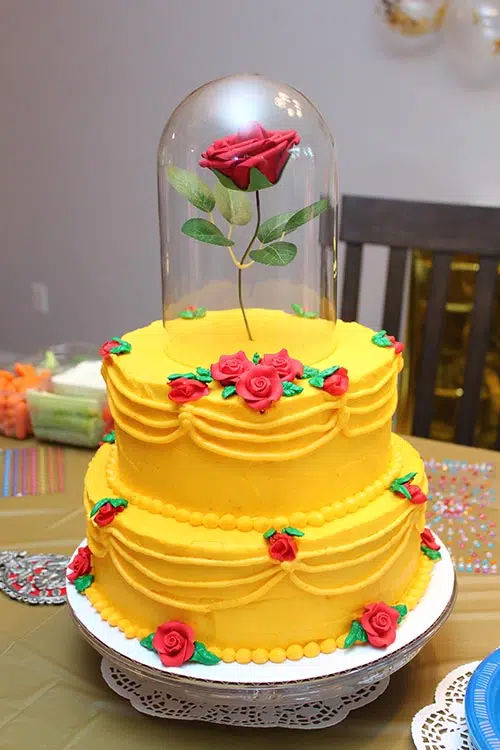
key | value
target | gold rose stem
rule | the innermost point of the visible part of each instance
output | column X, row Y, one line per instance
column 243, row 258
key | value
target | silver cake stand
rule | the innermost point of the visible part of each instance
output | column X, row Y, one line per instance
column 309, row 694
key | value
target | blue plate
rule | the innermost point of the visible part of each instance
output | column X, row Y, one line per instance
column 482, row 704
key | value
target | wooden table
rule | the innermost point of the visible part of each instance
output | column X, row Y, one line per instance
column 52, row 695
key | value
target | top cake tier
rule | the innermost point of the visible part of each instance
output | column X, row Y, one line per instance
column 310, row 457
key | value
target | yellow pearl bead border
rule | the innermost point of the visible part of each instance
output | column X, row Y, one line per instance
column 228, row 522
column 277, row 655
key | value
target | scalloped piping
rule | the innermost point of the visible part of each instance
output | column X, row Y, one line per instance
column 278, row 655
column 228, row 522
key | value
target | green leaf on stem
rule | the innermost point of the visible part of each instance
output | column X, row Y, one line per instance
column 277, row 254
column 258, row 181
column 305, row 214
column 205, row 231
column 234, row 205
column 274, row 227
column 191, row 187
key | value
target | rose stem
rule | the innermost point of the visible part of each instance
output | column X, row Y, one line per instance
column 243, row 258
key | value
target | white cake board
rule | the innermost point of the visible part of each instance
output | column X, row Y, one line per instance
column 312, row 693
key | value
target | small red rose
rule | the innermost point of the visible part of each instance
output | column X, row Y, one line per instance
column 429, row 540
column 183, row 390
column 380, row 622
column 106, row 514
column 252, row 147
column 105, row 349
column 80, row 564
column 174, row 643
column 398, row 345
column 286, row 367
column 417, row 496
column 260, row 386
column 229, row 368
column 282, row 547
column 338, row 383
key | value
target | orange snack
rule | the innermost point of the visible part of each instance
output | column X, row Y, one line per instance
column 14, row 413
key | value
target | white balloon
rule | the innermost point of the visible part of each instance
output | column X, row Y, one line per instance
column 472, row 34
column 412, row 25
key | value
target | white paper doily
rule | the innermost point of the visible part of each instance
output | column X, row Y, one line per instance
column 442, row 726
column 157, row 700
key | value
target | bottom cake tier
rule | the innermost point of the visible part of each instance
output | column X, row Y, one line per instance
column 252, row 596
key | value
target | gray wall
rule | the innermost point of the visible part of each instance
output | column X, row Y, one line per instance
column 87, row 85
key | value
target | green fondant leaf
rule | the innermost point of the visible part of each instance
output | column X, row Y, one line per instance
column 381, row 339
column 396, row 486
column 310, row 314
column 200, row 312
column 147, row 642
column 277, row 254
column 402, row 609
column 291, row 389
column 191, row 187
column 256, row 358
column 317, row 381
column 269, row 533
column 306, row 214
column 292, row 531
column 234, row 205
column 310, row 372
column 202, row 371
column 109, row 437
column 99, row 505
column 407, row 477
column 357, row 634
column 329, row 371
column 432, row 554
column 122, row 346
column 203, row 375
column 228, row 390
column 273, row 228
column 203, row 656
column 187, row 314
column 83, row 582
column 177, row 375
column 204, row 231
column 298, row 309
column 118, row 502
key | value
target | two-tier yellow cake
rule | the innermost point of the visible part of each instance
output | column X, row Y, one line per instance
column 252, row 503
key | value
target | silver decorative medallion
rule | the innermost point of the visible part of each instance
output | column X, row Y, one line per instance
column 33, row 579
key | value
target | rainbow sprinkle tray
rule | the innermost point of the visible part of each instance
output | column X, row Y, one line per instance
column 461, row 498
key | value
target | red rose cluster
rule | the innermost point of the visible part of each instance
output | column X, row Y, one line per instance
column 80, row 565
column 380, row 622
column 174, row 643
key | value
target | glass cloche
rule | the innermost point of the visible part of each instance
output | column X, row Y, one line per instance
column 247, row 185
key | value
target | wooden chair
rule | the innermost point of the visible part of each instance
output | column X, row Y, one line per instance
column 447, row 230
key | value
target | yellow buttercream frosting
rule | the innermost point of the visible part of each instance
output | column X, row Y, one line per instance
column 204, row 480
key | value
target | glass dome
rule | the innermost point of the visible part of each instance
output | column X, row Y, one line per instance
column 247, row 185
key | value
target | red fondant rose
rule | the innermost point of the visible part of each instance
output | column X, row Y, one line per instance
column 229, row 368
column 105, row 349
column 80, row 564
column 338, row 383
column 398, row 345
column 283, row 547
column 380, row 622
column 417, row 496
column 260, row 386
column 174, row 643
column 253, row 147
column 429, row 540
column 183, row 390
column 107, row 513
column 286, row 367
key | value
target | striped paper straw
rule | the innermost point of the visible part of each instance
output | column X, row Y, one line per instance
column 15, row 477
column 33, row 472
column 51, row 475
column 42, row 473
column 6, row 473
